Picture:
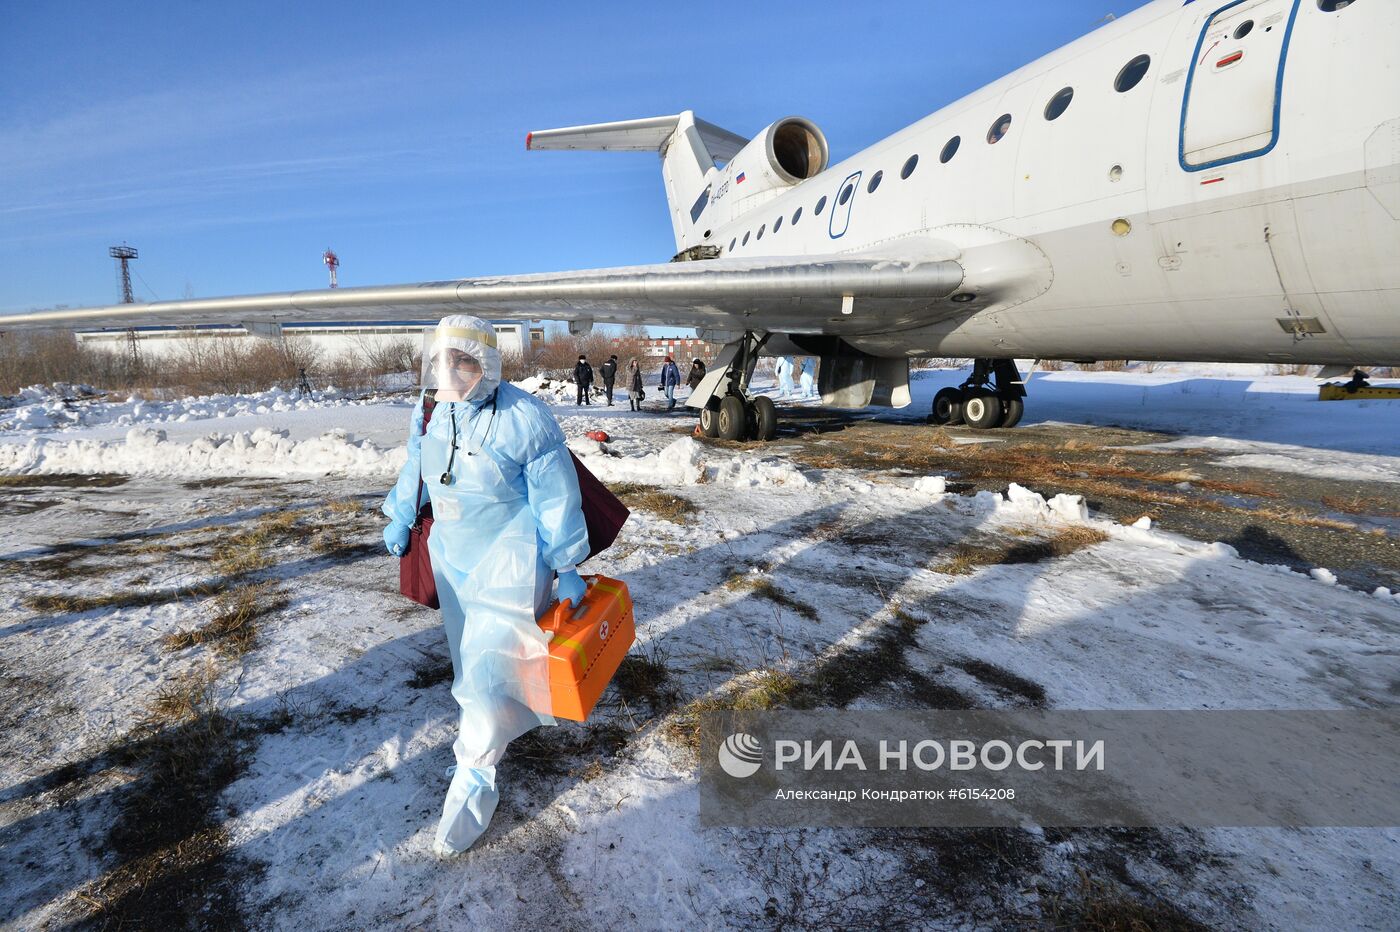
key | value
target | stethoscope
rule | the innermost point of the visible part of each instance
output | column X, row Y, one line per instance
column 446, row 477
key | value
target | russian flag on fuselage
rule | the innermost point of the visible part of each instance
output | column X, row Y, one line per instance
column 740, row 179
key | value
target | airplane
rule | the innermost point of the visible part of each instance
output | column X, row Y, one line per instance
column 1198, row 180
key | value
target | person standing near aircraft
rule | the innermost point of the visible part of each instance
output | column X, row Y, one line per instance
column 670, row 378
column 783, row 370
column 635, row 393
column 507, row 518
column 697, row 372
column 608, row 371
column 583, row 377
column 808, row 391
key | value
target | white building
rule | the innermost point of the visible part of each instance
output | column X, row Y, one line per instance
column 332, row 339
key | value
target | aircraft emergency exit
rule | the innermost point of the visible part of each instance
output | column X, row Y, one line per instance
column 1211, row 180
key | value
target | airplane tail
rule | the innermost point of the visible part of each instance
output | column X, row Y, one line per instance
column 688, row 149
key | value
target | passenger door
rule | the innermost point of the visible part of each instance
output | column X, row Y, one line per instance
column 841, row 204
column 1232, row 106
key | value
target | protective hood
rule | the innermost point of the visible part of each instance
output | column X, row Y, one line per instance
column 453, row 353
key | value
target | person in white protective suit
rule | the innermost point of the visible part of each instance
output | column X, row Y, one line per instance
column 507, row 518
column 808, row 388
column 783, row 369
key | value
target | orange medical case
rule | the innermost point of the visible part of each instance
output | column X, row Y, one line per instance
column 587, row 645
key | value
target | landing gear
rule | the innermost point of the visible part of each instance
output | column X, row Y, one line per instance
column 993, row 396
column 727, row 411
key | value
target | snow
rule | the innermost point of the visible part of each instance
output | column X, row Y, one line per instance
column 66, row 408
column 335, row 811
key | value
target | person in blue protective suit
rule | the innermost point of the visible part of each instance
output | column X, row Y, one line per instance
column 808, row 382
column 507, row 518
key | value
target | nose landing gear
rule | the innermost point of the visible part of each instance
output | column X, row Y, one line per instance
column 993, row 396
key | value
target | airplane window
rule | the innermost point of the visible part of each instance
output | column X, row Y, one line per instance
column 761, row 228
column 797, row 216
column 846, row 194
column 1059, row 104
column 909, row 166
column 999, row 129
column 950, row 150
column 820, row 204
column 746, row 239
column 777, row 224
column 1332, row 6
column 1132, row 73
column 1244, row 29
column 732, row 243
column 875, row 180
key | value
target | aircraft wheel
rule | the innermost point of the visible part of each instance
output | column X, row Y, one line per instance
column 765, row 415
column 947, row 408
column 732, row 418
column 709, row 419
column 981, row 410
column 1011, row 411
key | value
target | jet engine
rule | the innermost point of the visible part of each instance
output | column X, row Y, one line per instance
column 787, row 152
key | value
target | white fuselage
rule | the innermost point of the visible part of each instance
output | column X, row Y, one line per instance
column 1230, row 207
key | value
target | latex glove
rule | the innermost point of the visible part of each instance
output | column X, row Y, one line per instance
column 571, row 587
column 396, row 538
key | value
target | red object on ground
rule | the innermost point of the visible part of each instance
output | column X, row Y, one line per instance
column 599, row 435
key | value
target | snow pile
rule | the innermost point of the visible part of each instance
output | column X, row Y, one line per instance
column 50, row 408
column 550, row 391
column 261, row 452
column 749, row 471
column 1063, row 507
column 681, row 463
column 931, row 485
column 57, row 391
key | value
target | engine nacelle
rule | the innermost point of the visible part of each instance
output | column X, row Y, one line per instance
column 786, row 153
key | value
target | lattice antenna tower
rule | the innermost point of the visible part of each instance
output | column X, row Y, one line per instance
column 332, row 262
column 124, row 254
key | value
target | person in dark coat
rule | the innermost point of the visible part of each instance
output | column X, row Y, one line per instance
column 670, row 378
column 635, row 394
column 608, row 371
column 697, row 372
column 583, row 375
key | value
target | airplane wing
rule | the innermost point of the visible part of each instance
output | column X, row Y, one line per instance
column 723, row 294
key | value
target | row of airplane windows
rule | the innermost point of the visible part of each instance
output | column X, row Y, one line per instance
column 1129, row 77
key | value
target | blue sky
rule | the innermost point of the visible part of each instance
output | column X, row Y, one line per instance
column 232, row 144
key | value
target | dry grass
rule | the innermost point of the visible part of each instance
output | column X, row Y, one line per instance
column 966, row 558
column 167, row 841
column 63, row 479
column 345, row 506
column 645, row 680
column 761, row 690
column 763, row 587
column 75, row 604
column 233, row 630
column 674, row 508
column 1103, row 906
column 1126, row 475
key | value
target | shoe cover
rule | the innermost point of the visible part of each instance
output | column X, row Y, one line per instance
column 471, row 801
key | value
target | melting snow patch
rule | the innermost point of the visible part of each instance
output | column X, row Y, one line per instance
column 748, row 471
column 1065, row 507
column 931, row 485
column 1324, row 576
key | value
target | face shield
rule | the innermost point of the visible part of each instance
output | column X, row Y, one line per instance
column 460, row 359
